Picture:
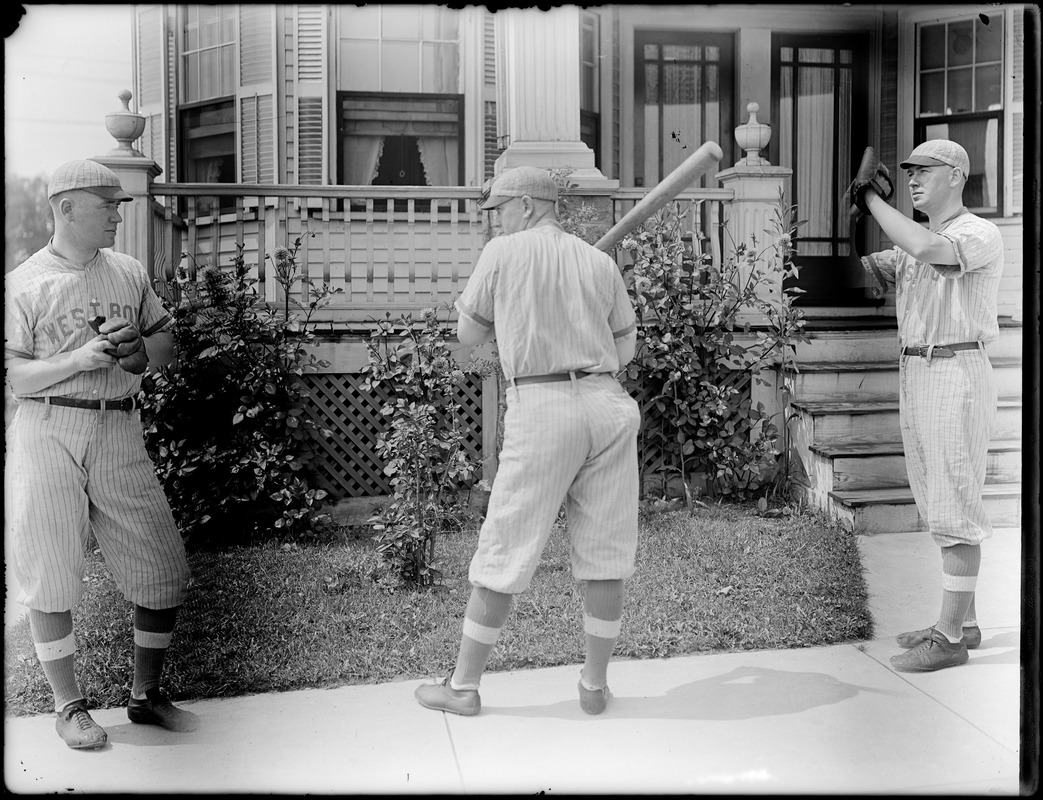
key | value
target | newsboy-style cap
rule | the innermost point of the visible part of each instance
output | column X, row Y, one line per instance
column 939, row 151
column 519, row 182
column 87, row 175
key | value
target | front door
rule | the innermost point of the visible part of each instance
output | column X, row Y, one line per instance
column 819, row 100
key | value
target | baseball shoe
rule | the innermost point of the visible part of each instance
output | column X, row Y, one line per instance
column 156, row 709
column 593, row 701
column 77, row 729
column 443, row 697
column 971, row 637
column 935, row 652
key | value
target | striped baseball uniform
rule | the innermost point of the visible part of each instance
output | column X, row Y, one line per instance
column 73, row 471
column 557, row 305
column 947, row 405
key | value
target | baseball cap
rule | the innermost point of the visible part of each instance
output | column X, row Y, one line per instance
column 87, row 175
column 939, row 151
column 519, row 182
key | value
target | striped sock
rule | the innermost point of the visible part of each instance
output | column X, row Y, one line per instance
column 56, row 648
column 602, row 615
column 486, row 613
column 153, row 630
column 960, row 565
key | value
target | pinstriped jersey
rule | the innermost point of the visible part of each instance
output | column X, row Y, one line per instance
column 945, row 304
column 557, row 303
column 49, row 300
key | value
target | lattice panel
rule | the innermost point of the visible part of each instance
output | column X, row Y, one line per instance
column 347, row 465
column 651, row 458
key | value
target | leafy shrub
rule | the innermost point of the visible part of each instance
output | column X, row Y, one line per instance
column 225, row 423
column 424, row 453
column 698, row 349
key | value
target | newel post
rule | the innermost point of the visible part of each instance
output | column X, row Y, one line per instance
column 756, row 183
column 137, row 233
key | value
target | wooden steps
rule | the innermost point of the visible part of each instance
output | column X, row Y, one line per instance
column 843, row 420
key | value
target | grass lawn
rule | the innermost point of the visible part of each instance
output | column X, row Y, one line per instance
column 276, row 618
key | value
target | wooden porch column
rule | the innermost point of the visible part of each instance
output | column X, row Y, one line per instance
column 538, row 71
column 136, row 234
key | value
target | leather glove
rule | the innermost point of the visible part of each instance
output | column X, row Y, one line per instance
column 130, row 347
column 872, row 174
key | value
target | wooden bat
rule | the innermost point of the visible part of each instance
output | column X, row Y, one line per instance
column 683, row 176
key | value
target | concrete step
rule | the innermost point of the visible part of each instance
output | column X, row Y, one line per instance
column 876, row 380
column 877, row 420
column 847, row 466
column 894, row 510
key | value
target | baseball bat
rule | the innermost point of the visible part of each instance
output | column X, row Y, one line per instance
column 683, row 176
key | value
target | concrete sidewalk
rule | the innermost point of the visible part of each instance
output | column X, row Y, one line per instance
column 817, row 720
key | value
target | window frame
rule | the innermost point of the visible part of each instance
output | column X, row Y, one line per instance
column 340, row 120
column 922, row 121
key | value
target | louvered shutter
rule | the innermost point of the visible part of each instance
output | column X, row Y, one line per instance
column 311, row 93
column 152, row 100
column 256, row 102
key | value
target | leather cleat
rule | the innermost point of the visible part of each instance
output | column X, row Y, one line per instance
column 935, row 652
column 443, row 697
column 156, row 709
column 593, row 701
column 971, row 637
column 77, row 729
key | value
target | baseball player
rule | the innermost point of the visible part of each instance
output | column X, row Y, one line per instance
column 946, row 278
column 563, row 325
column 77, row 460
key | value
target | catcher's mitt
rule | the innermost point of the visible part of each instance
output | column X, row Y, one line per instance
column 872, row 174
column 130, row 348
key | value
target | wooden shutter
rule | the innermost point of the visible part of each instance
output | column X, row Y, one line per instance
column 312, row 93
column 256, row 100
column 151, row 97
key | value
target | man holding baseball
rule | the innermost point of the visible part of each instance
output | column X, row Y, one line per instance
column 946, row 278
column 564, row 326
column 82, row 323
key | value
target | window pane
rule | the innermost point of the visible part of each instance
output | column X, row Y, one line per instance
column 815, row 55
column 440, row 68
column 959, row 99
column 400, row 67
column 651, row 52
column 815, row 123
column 989, row 45
column 401, row 22
column 713, row 54
column 651, row 84
column 361, row 22
column 980, row 138
column 586, row 51
column 932, row 93
column 680, row 84
column 360, row 66
column 961, row 43
column 988, row 91
column 845, row 56
column 439, row 24
column 932, row 46
column 682, row 52
column 786, row 54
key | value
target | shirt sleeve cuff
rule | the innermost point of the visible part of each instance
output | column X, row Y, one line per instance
column 476, row 318
column 621, row 333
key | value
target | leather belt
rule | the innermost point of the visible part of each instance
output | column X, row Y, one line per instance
column 122, row 404
column 941, row 350
column 551, row 378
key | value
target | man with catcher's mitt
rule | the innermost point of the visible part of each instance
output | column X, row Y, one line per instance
column 946, row 277
column 78, row 464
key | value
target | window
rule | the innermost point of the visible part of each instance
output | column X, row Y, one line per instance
column 208, row 53
column 388, row 48
column 589, row 94
column 683, row 87
column 959, row 96
column 207, row 137
column 400, row 139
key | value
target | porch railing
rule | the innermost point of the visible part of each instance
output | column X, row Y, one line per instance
column 389, row 249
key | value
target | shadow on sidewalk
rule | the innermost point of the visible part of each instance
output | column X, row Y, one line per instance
column 744, row 693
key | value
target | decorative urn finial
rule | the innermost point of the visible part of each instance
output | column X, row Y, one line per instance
column 753, row 137
column 125, row 127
